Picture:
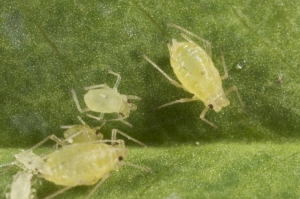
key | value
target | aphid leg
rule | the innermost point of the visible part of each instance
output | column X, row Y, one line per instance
column 70, row 126
column 96, row 86
column 58, row 192
column 77, row 103
column 80, row 119
column 94, row 117
column 205, row 120
column 162, row 72
column 104, row 178
column 121, row 119
column 66, row 127
column 207, row 43
column 133, row 97
column 182, row 100
column 225, row 76
column 136, row 166
column 118, row 79
column 99, row 127
column 126, row 123
column 114, row 137
column 234, row 88
column 52, row 137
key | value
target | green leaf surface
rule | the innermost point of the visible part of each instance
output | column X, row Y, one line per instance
column 49, row 47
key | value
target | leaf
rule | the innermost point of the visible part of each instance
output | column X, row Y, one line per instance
column 48, row 48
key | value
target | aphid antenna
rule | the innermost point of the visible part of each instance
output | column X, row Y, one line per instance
column 8, row 165
column 187, row 32
column 114, row 135
column 104, row 178
column 207, row 43
column 161, row 71
column 187, row 38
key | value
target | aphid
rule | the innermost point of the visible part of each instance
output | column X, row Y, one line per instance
column 21, row 186
column 82, row 133
column 103, row 99
column 86, row 163
column 195, row 70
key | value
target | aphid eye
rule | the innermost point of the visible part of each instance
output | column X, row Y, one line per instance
column 210, row 106
column 120, row 158
column 97, row 132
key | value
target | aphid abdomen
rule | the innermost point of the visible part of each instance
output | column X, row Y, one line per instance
column 86, row 134
column 195, row 70
column 80, row 164
column 104, row 100
column 21, row 186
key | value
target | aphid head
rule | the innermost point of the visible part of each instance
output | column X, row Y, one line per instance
column 218, row 103
column 98, row 135
column 174, row 46
column 121, row 152
column 129, row 107
column 30, row 161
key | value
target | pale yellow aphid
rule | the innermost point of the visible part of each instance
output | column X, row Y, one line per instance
column 82, row 133
column 86, row 163
column 195, row 70
column 103, row 99
column 21, row 186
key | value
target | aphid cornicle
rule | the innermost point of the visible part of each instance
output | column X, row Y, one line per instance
column 103, row 99
column 195, row 70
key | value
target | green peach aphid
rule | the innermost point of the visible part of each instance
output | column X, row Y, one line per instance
column 103, row 99
column 195, row 70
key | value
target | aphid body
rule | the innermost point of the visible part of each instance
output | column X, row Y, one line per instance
column 103, row 99
column 82, row 133
column 21, row 186
column 197, row 73
column 85, row 134
column 83, row 164
column 86, row 163
column 108, row 100
column 195, row 70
